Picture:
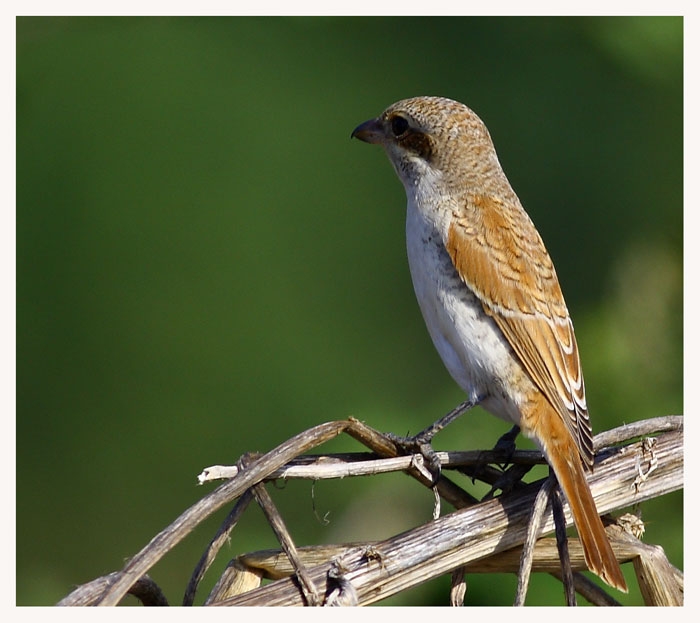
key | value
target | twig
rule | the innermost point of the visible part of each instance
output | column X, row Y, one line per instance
column 643, row 428
column 144, row 589
column 249, row 569
column 475, row 535
column 562, row 543
column 589, row 590
column 323, row 466
column 472, row 534
column 220, row 538
column 458, row 586
column 183, row 525
column 533, row 532
column 275, row 520
column 383, row 446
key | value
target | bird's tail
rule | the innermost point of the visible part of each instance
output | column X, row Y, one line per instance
column 562, row 454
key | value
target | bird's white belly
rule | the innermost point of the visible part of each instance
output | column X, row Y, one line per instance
column 472, row 347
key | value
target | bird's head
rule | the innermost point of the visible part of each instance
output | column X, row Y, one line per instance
column 435, row 140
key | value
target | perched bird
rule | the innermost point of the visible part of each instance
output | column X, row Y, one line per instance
column 490, row 296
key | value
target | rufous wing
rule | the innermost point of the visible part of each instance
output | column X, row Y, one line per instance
column 500, row 256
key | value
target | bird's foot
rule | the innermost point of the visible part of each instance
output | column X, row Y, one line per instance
column 420, row 445
column 506, row 444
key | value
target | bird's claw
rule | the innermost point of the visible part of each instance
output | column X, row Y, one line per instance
column 419, row 445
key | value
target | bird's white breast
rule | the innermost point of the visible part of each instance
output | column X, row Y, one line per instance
column 470, row 344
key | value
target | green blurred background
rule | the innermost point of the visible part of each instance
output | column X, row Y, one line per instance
column 208, row 265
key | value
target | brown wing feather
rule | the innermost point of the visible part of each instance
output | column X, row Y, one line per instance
column 501, row 257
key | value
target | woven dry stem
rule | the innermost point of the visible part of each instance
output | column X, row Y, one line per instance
column 634, row 463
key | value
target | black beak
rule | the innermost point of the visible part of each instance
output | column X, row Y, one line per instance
column 371, row 131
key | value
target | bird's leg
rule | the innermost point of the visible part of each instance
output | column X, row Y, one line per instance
column 420, row 443
column 427, row 434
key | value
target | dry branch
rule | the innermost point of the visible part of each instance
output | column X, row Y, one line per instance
column 477, row 537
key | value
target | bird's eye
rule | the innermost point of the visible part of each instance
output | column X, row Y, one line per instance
column 399, row 125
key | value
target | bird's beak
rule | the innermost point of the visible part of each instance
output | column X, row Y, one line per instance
column 371, row 131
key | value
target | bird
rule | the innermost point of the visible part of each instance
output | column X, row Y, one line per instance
column 490, row 296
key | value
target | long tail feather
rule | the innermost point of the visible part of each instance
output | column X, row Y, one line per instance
column 562, row 454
